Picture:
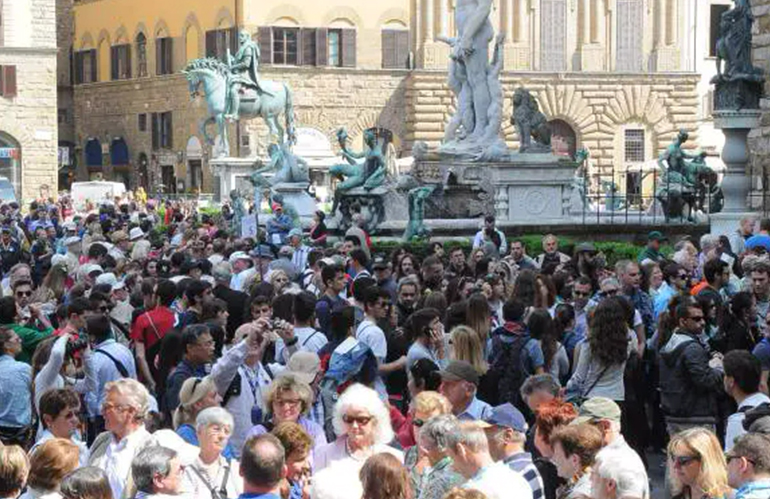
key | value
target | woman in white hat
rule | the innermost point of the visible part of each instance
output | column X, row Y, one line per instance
column 196, row 395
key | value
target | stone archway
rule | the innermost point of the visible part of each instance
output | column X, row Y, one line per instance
column 563, row 138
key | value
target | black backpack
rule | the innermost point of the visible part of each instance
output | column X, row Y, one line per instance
column 505, row 370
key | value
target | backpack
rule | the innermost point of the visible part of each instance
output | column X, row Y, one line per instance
column 344, row 369
column 505, row 370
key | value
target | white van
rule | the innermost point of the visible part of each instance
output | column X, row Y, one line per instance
column 95, row 191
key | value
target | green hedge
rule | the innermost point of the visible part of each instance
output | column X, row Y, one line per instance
column 613, row 251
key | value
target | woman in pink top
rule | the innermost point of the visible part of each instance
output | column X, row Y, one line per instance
column 362, row 423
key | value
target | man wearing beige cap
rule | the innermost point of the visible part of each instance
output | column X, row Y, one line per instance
column 605, row 414
column 121, row 245
column 306, row 366
column 459, row 381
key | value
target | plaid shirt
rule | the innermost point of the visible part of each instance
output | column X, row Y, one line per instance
column 522, row 464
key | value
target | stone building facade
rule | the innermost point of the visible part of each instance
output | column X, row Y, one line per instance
column 27, row 97
column 759, row 139
column 385, row 66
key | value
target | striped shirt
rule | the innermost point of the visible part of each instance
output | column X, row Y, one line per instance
column 522, row 464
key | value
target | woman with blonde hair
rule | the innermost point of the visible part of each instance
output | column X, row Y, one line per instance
column 288, row 398
column 467, row 346
column 48, row 465
column 696, row 466
column 425, row 406
column 14, row 469
column 196, row 395
column 478, row 316
column 280, row 281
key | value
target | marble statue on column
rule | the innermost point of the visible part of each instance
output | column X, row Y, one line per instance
column 738, row 82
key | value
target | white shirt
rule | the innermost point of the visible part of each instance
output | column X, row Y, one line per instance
column 498, row 481
column 116, row 462
column 254, row 383
column 308, row 340
column 46, row 435
column 237, row 280
column 194, row 480
column 735, row 421
column 372, row 336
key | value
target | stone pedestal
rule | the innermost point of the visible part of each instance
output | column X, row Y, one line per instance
column 533, row 189
column 233, row 173
column 736, row 126
column 297, row 196
column 377, row 206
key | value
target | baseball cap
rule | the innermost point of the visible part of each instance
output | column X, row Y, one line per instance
column 380, row 262
column 263, row 251
column 459, row 370
column 305, row 366
column 597, row 408
column 111, row 279
column 656, row 235
column 508, row 416
column 238, row 255
column 758, row 241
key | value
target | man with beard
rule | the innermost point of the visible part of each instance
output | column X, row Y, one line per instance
column 432, row 272
column 457, row 266
column 407, row 292
column 383, row 272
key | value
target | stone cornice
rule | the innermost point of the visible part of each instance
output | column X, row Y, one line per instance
column 29, row 50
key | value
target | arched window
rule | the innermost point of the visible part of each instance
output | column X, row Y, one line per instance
column 563, row 140
column 141, row 55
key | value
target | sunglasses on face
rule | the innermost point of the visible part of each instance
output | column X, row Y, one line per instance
column 361, row 420
column 682, row 461
column 23, row 293
column 581, row 293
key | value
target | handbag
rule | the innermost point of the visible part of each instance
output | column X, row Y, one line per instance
column 578, row 399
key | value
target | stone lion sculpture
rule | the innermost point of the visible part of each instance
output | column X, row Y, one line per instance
column 531, row 125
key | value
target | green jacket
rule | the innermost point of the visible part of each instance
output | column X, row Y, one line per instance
column 649, row 254
column 30, row 338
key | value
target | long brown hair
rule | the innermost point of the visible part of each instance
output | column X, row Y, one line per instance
column 384, row 477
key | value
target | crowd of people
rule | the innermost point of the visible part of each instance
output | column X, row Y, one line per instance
column 188, row 361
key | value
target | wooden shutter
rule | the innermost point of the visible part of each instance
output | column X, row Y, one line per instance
column 169, row 66
column 155, row 131
column 79, row 67
column 159, row 56
column 402, row 49
column 114, row 75
column 348, row 48
column 388, row 39
column 321, row 47
column 553, row 25
column 629, row 44
column 211, row 43
column 127, row 49
column 92, row 56
column 168, row 129
column 265, row 35
column 307, row 52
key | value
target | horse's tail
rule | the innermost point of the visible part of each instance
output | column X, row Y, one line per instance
column 208, row 138
column 291, row 132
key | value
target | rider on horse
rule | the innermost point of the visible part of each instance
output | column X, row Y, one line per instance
column 243, row 69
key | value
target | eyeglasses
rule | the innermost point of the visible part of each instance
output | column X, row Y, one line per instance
column 104, row 308
column 581, row 293
column 361, row 420
column 419, row 423
column 107, row 406
column 730, row 457
column 21, row 294
column 682, row 461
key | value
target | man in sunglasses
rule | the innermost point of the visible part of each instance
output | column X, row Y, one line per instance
column 675, row 282
column 748, row 466
column 689, row 379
